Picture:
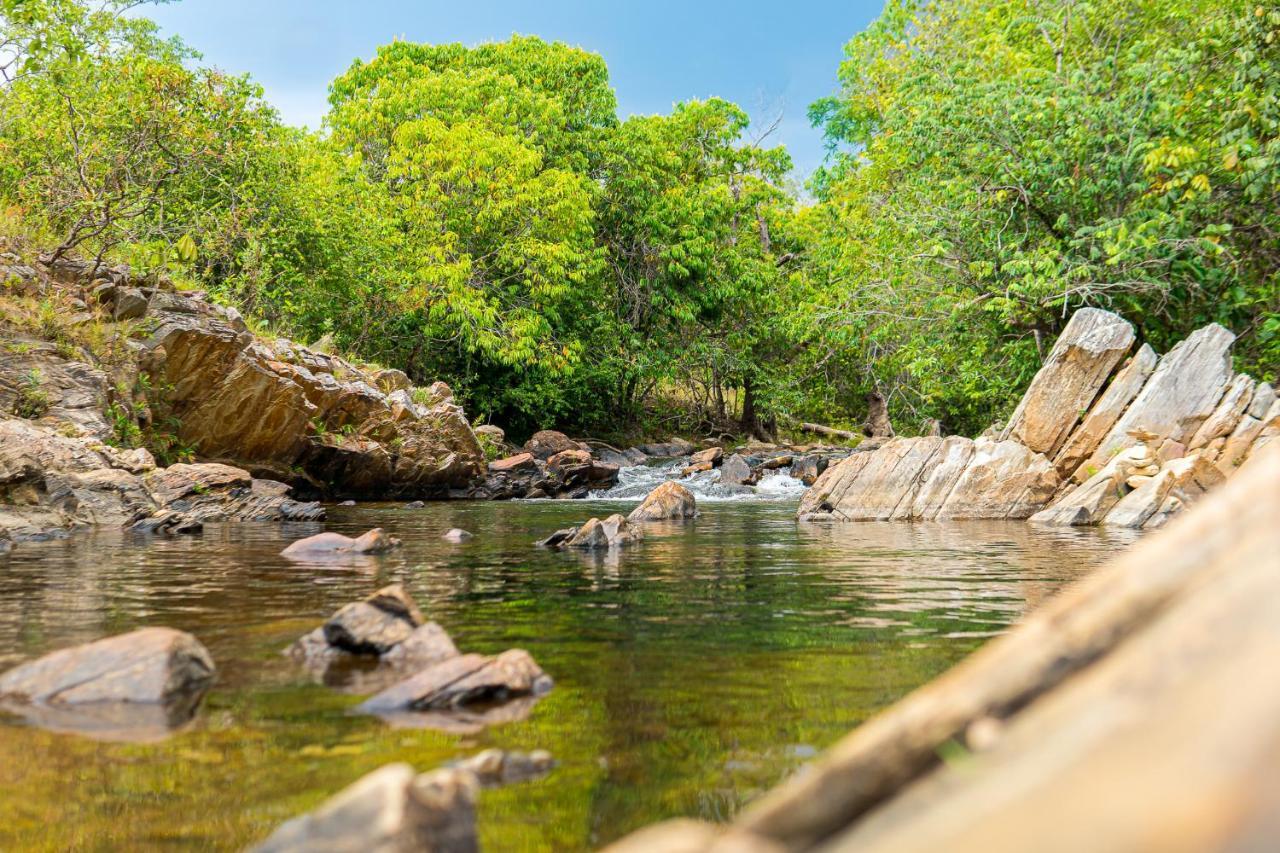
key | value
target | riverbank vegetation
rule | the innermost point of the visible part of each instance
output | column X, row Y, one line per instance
column 483, row 215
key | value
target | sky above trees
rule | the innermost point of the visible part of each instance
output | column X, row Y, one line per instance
column 767, row 57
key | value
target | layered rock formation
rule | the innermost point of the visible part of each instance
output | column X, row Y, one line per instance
column 1082, row 447
column 272, row 407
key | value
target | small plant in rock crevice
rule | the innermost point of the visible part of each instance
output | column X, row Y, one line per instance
column 31, row 401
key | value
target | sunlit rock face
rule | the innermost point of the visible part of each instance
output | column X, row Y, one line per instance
column 1081, row 448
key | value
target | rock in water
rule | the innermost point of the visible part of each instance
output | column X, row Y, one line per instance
column 1081, row 360
column 668, row 500
column 457, row 534
column 391, row 810
column 495, row 767
column 147, row 666
column 735, row 471
column 331, row 544
column 712, row 456
column 375, row 625
column 463, row 680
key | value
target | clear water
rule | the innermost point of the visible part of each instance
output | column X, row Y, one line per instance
column 692, row 670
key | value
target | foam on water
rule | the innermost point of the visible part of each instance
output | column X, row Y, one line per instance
column 637, row 481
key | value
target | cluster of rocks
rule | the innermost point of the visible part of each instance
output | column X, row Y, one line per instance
column 395, row 808
column 383, row 643
column 668, row 501
column 50, row 483
column 746, row 465
column 1100, row 437
column 549, row 465
column 273, row 407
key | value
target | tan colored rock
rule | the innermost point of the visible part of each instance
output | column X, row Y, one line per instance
column 669, row 500
column 548, row 442
column 696, row 468
column 1090, row 502
column 463, row 680
column 1003, row 479
column 821, row 499
column 148, row 666
column 391, row 810
column 952, row 458
column 321, row 545
column 1106, row 411
column 519, row 462
column 1181, row 394
column 1238, row 445
column 1089, row 348
column 1225, row 417
column 711, row 457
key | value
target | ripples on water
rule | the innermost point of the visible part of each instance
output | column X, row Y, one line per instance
column 693, row 669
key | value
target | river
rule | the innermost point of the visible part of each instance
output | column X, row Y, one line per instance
column 693, row 670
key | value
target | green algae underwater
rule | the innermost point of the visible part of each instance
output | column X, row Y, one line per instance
column 693, row 670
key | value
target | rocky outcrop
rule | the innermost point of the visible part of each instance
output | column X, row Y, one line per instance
column 134, row 686
column 1077, row 450
column 1081, row 360
column 272, row 407
column 547, row 443
column 667, row 501
column 568, row 473
column 50, row 482
column 391, row 810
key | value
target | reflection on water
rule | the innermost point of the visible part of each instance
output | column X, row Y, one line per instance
column 692, row 670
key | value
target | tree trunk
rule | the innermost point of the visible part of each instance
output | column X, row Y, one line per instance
column 877, row 425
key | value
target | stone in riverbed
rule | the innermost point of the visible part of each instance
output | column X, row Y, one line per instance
column 1082, row 358
column 668, row 500
column 457, row 535
column 463, row 680
column 807, row 469
column 711, row 456
column 321, row 545
column 494, row 767
column 735, row 471
column 375, row 625
column 147, row 666
column 547, row 443
column 391, row 810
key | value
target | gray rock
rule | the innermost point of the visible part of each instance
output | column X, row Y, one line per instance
column 146, row 666
column 391, row 810
column 735, row 471
column 463, row 680
column 456, row 535
column 130, row 304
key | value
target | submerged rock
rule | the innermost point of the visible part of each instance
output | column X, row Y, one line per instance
column 374, row 541
column 495, row 767
column 391, row 810
column 612, row 532
column 668, row 500
column 456, row 535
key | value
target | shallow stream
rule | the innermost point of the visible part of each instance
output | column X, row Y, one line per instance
column 693, row 670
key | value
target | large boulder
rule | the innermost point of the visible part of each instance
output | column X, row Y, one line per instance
column 373, row 626
column 1089, row 348
column 736, row 471
column 547, row 443
column 667, row 449
column 669, row 500
column 463, row 680
column 146, row 666
column 391, row 810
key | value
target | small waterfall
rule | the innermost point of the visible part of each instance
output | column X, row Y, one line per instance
column 637, row 481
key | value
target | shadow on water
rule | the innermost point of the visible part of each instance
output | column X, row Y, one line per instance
column 692, row 670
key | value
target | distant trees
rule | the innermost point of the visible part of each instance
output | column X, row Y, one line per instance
column 482, row 215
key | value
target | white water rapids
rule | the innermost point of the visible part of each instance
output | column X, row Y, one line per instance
column 636, row 481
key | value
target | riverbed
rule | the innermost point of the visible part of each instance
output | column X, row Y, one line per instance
column 693, row 670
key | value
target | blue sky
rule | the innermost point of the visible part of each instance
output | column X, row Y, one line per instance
column 764, row 56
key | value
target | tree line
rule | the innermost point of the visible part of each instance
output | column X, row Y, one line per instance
column 482, row 214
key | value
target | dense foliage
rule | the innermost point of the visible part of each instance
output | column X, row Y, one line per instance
column 482, row 214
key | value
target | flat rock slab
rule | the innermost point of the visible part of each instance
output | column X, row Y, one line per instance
column 1077, row 367
column 148, row 666
column 463, row 680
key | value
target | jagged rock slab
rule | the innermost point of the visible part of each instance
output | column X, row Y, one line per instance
column 391, row 810
column 1225, row 417
column 1090, row 502
column 1106, row 411
column 871, row 485
column 1003, row 479
column 1181, row 394
column 1239, row 444
column 1077, row 367
column 1180, row 482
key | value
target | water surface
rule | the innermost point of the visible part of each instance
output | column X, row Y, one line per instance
column 692, row 670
